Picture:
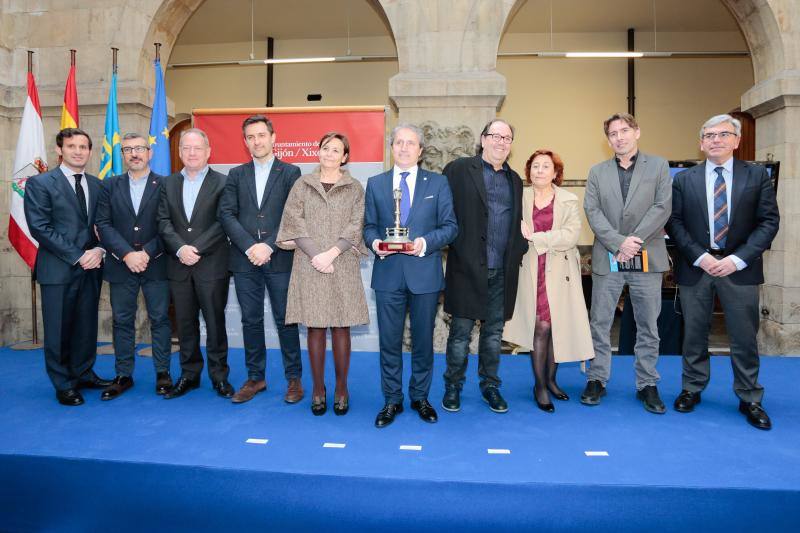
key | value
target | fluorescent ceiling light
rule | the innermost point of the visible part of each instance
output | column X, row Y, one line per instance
column 604, row 54
column 299, row 60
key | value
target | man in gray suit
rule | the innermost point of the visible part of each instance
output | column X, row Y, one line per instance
column 628, row 201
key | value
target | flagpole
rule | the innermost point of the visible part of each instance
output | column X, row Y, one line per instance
column 34, row 343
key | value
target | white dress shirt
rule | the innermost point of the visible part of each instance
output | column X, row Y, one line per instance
column 70, row 174
column 262, row 175
column 711, row 178
column 411, row 181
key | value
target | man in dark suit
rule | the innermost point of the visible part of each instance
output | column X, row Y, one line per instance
column 127, row 222
column 250, row 212
column 408, row 280
column 197, row 267
column 60, row 208
column 627, row 204
column 483, row 261
column 724, row 216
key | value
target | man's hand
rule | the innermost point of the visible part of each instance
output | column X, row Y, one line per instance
column 527, row 232
column 137, row 261
column 188, row 255
column 323, row 262
column 707, row 263
column 419, row 244
column 630, row 246
column 259, row 254
column 380, row 253
column 724, row 267
column 91, row 259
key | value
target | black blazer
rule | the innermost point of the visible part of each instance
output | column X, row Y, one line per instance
column 754, row 221
column 121, row 228
column 248, row 223
column 203, row 231
column 466, row 293
column 56, row 220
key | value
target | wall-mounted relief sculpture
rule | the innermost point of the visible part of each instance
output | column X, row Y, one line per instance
column 443, row 144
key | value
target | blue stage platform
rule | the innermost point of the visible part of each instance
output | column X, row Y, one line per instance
column 141, row 463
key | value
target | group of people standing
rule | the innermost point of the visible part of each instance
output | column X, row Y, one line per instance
column 512, row 263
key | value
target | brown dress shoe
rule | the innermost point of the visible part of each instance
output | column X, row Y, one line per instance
column 294, row 392
column 248, row 390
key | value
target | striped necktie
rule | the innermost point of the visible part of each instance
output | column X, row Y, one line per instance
column 720, row 210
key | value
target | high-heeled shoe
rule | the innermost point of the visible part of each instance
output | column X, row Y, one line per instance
column 319, row 404
column 558, row 394
column 341, row 405
column 546, row 407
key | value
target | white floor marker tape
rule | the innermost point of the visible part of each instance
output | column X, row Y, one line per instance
column 257, row 441
column 334, row 445
column 498, row 451
column 596, row 454
column 411, row 447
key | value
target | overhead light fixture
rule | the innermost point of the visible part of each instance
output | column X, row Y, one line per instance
column 290, row 60
column 603, row 55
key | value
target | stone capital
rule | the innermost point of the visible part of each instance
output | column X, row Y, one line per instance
column 770, row 95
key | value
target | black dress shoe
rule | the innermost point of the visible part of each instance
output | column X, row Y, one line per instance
column 224, row 389
column 593, row 392
column 117, row 387
column 491, row 395
column 651, row 400
column 452, row 399
column 341, row 405
column 387, row 414
column 90, row 380
column 755, row 414
column 69, row 397
column 426, row 411
column 182, row 386
column 557, row 393
column 686, row 401
column 319, row 404
column 546, row 407
column 163, row 382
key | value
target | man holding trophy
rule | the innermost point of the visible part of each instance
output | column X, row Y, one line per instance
column 408, row 219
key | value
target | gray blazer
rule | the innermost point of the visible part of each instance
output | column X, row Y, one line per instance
column 644, row 213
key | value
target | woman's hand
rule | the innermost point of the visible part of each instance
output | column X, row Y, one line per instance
column 323, row 262
column 527, row 232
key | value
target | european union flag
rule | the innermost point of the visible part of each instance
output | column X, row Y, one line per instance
column 111, row 160
column 159, row 134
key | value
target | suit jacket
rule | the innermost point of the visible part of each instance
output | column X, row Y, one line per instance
column 56, row 220
column 431, row 217
column 120, row 227
column 202, row 230
column 248, row 223
column 466, row 293
column 753, row 221
column 644, row 213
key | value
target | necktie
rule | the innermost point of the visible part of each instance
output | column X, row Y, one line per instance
column 81, row 196
column 405, row 200
column 720, row 210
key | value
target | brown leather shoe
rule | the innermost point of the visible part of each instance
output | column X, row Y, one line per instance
column 294, row 392
column 248, row 390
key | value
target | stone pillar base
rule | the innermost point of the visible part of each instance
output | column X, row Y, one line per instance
column 775, row 338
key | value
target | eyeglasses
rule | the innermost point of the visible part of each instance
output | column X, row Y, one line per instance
column 496, row 137
column 137, row 149
column 723, row 135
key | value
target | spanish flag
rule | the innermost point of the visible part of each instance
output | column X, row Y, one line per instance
column 69, row 111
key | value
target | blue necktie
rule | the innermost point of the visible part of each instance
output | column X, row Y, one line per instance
column 405, row 200
column 720, row 210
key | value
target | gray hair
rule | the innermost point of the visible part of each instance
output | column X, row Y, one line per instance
column 133, row 135
column 407, row 126
column 196, row 131
column 721, row 119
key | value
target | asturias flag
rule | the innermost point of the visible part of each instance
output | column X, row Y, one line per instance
column 159, row 134
column 111, row 160
column 69, row 111
column 30, row 159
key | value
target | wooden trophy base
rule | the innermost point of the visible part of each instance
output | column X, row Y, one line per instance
column 384, row 246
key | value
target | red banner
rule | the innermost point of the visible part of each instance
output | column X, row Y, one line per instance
column 298, row 131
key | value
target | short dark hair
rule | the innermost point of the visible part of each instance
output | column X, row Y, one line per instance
column 629, row 119
column 558, row 165
column 68, row 133
column 255, row 119
column 336, row 135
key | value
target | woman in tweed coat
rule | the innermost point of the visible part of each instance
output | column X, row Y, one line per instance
column 323, row 219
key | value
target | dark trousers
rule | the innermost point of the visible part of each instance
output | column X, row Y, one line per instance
column 250, row 293
column 124, row 296
column 740, row 304
column 69, row 314
column 489, row 343
column 391, row 309
column 209, row 296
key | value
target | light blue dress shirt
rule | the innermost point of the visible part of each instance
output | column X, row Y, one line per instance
column 262, row 175
column 137, row 190
column 191, row 188
column 711, row 178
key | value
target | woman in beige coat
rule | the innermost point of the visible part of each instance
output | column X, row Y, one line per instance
column 550, row 317
column 324, row 219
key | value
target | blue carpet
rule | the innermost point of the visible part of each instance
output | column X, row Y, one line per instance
column 142, row 463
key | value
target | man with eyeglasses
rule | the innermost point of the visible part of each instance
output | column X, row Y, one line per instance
column 724, row 216
column 197, row 264
column 127, row 223
column 627, row 204
column 483, row 261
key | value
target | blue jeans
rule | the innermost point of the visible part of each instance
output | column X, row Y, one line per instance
column 489, row 344
column 250, row 293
